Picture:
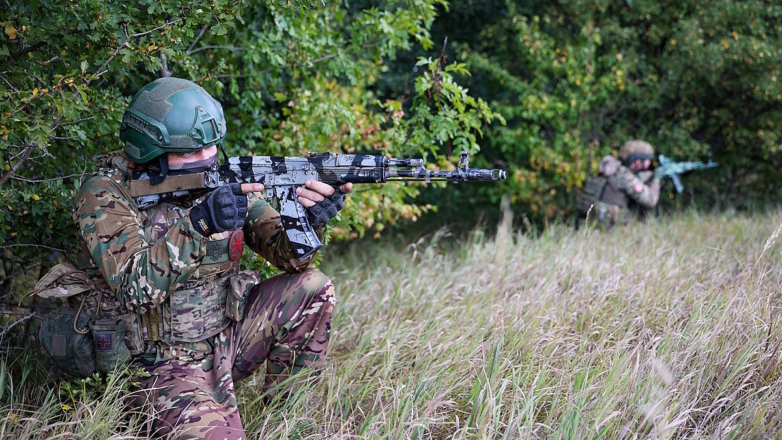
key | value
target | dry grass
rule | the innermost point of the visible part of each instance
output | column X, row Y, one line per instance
column 661, row 330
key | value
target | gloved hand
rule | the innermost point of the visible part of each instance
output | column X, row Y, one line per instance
column 321, row 212
column 224, row 210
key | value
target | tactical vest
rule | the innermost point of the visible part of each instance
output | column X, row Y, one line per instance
column 602, row 200
column 205, row 305
column 209, row 301
column 612, row 195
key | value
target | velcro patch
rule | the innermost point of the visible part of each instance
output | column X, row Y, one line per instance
column 104, row 341
column 236, row 245
column 58, row 346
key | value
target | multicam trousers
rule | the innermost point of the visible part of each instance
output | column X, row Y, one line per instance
column 286, row 323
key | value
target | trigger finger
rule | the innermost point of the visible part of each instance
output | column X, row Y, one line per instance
column 312, row 195
column 305, row 202
column 236, row 189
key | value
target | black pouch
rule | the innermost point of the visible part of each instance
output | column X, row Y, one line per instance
column 110, row 348
column 68, row 342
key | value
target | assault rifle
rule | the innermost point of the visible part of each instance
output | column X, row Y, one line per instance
column 282, row 175
column 669, row 168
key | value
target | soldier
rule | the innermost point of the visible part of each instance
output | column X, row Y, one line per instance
column 623, row 185
column 172, row 298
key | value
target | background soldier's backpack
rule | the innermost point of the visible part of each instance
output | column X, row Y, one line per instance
column 593, row 191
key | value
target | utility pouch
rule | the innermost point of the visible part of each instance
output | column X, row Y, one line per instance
column 198, row 312
column 110, row 348
column 240, row 285
column 68, row 341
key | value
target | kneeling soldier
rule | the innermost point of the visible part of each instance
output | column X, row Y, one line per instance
column 624, row 185
column 169, row 296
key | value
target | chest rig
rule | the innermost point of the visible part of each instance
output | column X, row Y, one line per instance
column 209, row 301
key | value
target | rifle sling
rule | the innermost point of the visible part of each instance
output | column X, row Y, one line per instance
column 169, row 184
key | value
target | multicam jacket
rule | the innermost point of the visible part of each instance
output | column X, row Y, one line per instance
column 174, row 288
column 625, row 187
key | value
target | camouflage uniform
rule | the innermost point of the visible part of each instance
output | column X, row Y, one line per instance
column 193, row 320
column 622, row 191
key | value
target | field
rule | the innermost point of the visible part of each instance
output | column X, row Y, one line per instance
column 669, row 329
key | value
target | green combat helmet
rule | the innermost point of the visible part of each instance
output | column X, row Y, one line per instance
column 170, row 115
column 635, row 149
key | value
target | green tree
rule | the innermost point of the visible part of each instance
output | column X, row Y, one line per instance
column 575, row 79
column 292, row 78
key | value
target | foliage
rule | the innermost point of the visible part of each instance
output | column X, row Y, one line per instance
column 292, row 78
column 575, row 79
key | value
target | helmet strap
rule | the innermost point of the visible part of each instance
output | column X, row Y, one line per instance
column 225, row 155
column 154, row 179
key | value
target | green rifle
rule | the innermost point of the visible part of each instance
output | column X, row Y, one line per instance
column 669, row 168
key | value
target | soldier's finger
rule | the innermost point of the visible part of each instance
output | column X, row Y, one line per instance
column 312, row 195
column 251, row 187
column 320, row 187
column 346, row 188
column 305, row 202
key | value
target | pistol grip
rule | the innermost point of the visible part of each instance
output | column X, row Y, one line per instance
column 293, row 216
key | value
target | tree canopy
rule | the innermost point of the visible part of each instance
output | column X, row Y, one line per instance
column 543, row 89
column 292, row 78
column 576, row 79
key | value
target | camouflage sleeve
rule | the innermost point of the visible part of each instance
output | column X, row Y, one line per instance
column 646, row 195
column 264, row 234
column 111, row 226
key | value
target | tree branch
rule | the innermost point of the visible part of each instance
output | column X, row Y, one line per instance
column 100, row 72
column 25, row 153
column 76, row 121
column 9, row 84
column 6, row 330
column 198, row 37
column 10, row 246
column 29, row 49
column 190, row 52
column 164, row 72
column 22, row 179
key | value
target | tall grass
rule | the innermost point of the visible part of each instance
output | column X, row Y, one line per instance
column 658, row 330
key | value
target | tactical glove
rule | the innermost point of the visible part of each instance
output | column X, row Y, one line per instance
column 224, row 210
column 321, row 212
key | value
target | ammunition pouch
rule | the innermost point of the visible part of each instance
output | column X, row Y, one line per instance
column 199, row 310
column 240, row 285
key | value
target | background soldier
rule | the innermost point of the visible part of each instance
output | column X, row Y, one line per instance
column 172, row 298
column 623, row 185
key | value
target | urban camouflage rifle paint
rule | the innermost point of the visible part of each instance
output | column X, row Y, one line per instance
column 669, row 168
column 281, row 175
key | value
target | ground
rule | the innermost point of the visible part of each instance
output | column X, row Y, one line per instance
column 669, row 329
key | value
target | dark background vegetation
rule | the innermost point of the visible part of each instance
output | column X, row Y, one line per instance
column 540, row 88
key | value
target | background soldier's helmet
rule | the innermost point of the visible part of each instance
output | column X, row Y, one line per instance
column 171, row 115
column 635, row 149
